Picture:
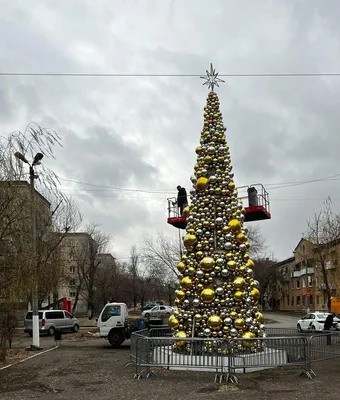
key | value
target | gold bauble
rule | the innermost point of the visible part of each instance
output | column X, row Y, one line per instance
column 199, row 254
column 259, row 318
column 177, row 302
column 208, row 295
column 225, row 229
column 250, row 264
column 202, row 183
column 238, row 295
column 255, row 293
column 234, row 225
column 239, row 323
column 231, row 185
column 208, row 159
column 181, row 334
column 198, row 317
column 189, row 240
column 186, row 282
column 181, row 267
column 232, row 265
column 184, row 257
column 191, row 271
column 173, row 323
column 239, row 283
column 198, row 150
column 207, row 264
column 200, row 286
column 241, row 237
column 214, row 322
column 233, row 314
column 180, row 294
column 247, row 335
column 218, row 191
column 186, row 211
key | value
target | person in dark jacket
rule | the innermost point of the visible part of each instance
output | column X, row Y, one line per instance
column 327, row 326
column 182, row 199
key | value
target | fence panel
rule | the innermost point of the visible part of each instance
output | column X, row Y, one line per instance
column 324, row 346
column 159, row 353
column 133, row 344
column 285, row 332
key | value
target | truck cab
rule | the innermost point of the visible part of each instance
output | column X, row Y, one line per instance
column 113, row 323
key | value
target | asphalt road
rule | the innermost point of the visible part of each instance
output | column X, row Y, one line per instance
column 282, row 320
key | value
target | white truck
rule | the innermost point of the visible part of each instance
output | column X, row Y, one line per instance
column 114, row 323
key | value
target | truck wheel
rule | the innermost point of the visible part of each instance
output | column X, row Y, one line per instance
column 115, row 338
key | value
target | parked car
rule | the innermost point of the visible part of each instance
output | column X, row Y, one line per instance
column 158, row 311
column 315, row 321
column 50, row 320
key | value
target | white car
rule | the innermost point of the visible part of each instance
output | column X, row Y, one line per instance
column 315, row 321
column 158, row 311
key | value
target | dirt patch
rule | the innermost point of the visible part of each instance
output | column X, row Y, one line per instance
column 14, row 356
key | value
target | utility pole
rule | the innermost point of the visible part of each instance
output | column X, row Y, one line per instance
column 35, row 273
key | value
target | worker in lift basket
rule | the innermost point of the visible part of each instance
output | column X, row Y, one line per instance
column 182, row 199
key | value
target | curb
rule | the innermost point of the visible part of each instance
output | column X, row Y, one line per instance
column 28, row 358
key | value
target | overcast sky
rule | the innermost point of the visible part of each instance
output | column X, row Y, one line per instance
column 141, row 132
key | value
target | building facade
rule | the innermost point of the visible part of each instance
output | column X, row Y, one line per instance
column 302, row 283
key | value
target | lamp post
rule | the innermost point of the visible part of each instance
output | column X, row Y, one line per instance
column 35, row 299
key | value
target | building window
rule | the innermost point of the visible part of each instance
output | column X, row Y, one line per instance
column 72, row 269
column 298, row 300
column 292, row 300
column 310, row 281
column 311, row 300
column 73, row 294
column 72, row 282
column 298, row 284
column 317, row 300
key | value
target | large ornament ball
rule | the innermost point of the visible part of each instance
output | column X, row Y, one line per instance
column 180, row 334
column 239, row 323
column 259, row 317
column 181, row 267
column 189, row 240
column 239, row 283
column 248, row 335
column 186, row 282
column 238, row 295
column 208, row 295
column 207, row 264
column 180, row 295
column 234, row 225
column 173, row 323
column 215, row 322
column 255, row 293
column 186, row 211
column 202, row 183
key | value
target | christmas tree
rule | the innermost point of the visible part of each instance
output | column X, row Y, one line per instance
column 217, row 297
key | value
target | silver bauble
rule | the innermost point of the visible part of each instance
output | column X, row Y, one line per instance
column 228, row 245
column 219, row 221
column 206, row 332
column 219, row 291
column 233, row 332
column 199, row 274
column 195, row 302
column 219, row 262
column 224, row 272
column 227, row 321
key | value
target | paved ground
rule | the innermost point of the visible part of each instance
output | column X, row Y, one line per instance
column 282, row 320
column 81, row 370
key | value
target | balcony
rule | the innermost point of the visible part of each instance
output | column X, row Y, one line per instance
column 303, row 271
column 296, row 274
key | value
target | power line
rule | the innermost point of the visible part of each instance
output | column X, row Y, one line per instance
column 118, row 75
column 103, row 188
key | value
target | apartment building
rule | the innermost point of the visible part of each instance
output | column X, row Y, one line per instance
column 301, row 284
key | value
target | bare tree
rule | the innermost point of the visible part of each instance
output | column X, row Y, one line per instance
column 87, row 264
column 258, row 246
column 161, row 256
column 324, row 234
column 17, row 259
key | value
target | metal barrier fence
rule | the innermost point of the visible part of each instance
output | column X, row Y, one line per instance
column 153, row 350
column 222, row 357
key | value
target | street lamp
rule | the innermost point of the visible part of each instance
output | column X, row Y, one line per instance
column 35, row 299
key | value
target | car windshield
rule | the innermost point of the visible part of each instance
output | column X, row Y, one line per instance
column 110, row 311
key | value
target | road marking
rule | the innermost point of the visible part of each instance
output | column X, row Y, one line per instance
column 28, row 358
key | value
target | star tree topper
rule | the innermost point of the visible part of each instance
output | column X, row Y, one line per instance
column 211, row 79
